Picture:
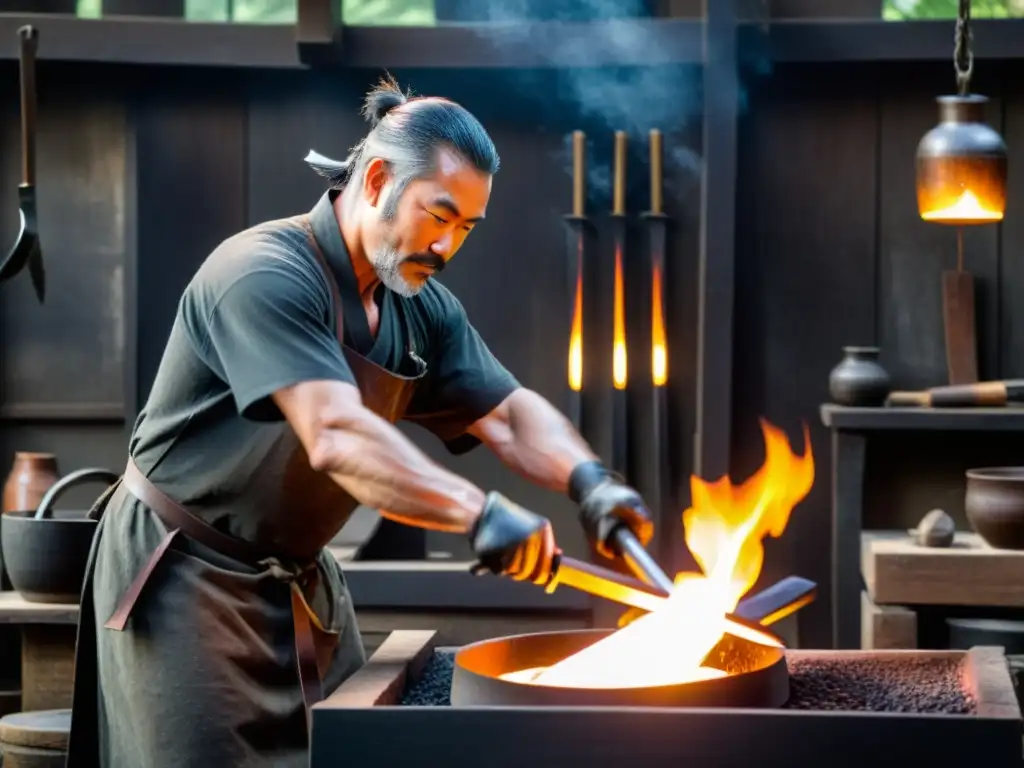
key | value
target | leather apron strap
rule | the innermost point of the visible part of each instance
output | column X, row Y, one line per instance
column 179, row 520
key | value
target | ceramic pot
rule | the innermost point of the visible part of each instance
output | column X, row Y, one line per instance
column 47, row 550
column 31, row 476
column 995, row 505
column 859, row 380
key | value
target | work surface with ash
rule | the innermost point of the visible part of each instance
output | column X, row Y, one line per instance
column 854, row 685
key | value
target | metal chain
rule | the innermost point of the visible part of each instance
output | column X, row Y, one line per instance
column 963, row 56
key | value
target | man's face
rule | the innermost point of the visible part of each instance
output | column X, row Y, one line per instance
column 429, row 224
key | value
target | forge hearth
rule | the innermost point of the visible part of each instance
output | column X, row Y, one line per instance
column 846, row 709
column 491, row 673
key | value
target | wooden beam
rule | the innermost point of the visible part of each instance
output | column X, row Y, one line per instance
column 173, row 42
column 717, row 241
column 318, row 26
column 898, row 572
column 886, row 627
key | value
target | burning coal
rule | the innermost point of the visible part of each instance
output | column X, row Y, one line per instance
column 725, row 528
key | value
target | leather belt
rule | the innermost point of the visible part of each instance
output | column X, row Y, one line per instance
column 178, row 520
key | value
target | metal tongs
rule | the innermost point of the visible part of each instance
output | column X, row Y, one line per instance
column 767, row 607
column 653, row 587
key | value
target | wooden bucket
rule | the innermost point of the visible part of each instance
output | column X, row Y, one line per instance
column 35, row 739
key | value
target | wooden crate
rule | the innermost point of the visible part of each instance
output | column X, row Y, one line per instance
column 886, row 627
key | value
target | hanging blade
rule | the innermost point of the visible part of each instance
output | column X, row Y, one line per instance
column 26, row 250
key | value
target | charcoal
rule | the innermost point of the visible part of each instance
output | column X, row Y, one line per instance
column 876, row 685
column 433, row 689
column 849, row 685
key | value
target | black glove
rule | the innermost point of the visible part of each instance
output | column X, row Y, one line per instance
column 605, row 504
column 510, row 541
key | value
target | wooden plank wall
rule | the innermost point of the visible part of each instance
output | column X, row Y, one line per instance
column 831, row 253
column 143, row 171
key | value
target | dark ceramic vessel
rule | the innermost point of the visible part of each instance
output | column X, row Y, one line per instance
column 46, row 551
column 995, row 505
column 859, row 380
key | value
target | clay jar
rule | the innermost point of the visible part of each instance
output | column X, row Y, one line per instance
column 995, row 505
column 31, row 476
column 859, row 380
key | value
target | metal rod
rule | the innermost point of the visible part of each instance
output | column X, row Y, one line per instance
column 657, row 223
column 660, row 496
column 575, row 248
column 620, row 433
column 620, row 421
column 959, row 249
column 640, row 561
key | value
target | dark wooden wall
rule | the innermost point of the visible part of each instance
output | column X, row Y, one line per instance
column 142, row 172
column 831, row 252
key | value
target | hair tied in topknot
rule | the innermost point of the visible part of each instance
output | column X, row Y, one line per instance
column 334, row 171
column 384, row 97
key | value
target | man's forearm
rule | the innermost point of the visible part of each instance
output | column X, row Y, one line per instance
column 533, row 438
column 383, row 469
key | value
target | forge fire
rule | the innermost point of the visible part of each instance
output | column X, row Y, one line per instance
column 725, row 528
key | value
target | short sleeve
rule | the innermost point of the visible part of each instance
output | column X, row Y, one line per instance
column 464, row 382
column 267, row 331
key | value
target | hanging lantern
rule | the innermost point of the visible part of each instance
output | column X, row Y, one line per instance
column 961, row 162
column 961, row 166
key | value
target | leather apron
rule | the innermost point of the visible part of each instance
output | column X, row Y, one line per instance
column 316, row 645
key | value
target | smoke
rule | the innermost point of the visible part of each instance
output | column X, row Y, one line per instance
column 601, row 100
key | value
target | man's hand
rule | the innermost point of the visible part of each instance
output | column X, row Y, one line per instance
column 606, row 503
column 510, row 541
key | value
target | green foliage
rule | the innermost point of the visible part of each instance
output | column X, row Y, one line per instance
column 355, row 12
column 912, row 10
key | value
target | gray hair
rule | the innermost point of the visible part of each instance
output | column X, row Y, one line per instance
column 407, row 132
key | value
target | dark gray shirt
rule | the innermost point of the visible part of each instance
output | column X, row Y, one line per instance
column 259, row 316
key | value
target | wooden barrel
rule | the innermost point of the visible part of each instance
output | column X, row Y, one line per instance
column 35, row 739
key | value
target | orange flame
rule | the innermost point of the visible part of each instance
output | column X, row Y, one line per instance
column 725, row 528
column 576, row 338
column 967, row 209
column 619, row 328
column 659, row 349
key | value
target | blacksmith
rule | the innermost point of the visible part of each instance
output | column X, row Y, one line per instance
column 213, row 617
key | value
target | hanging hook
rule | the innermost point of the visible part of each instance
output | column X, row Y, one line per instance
column 963, row 56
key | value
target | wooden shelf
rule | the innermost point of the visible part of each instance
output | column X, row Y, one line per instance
column 379, row 585
column 426, row 585
column 899, row 572
column 1009, row 419
column 14, row 609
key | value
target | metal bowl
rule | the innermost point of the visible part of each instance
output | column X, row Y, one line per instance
column 758, row 676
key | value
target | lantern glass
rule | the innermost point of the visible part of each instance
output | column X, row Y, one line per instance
column 961, row 166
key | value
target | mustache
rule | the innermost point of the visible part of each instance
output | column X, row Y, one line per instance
column 427, row 260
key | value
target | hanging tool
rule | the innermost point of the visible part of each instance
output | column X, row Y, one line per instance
column 577, row 237
column 657, row 226
column 27, row 250
column 620, row 402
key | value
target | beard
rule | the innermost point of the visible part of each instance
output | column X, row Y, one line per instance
column 387, row 262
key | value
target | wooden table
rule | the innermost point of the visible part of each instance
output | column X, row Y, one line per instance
column 47, row 650
column 851, row 428
column 388, row 595
column 900, row 576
